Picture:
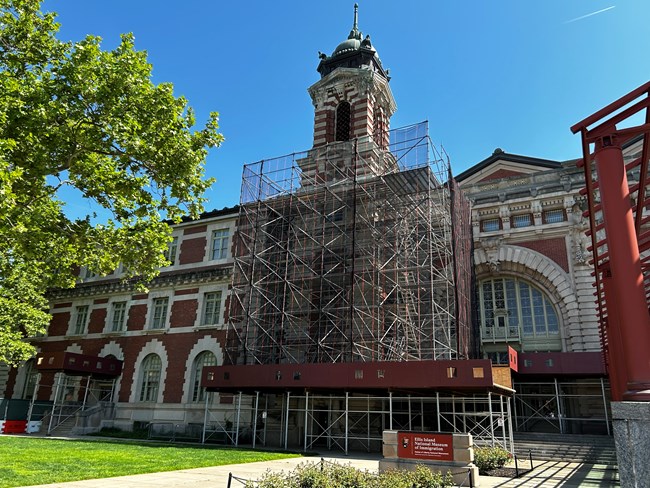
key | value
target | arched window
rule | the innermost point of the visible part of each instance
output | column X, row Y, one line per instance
column 206, row 358
column 512, row 308
column 31, row 379
column 343, row 122
column 150, row 374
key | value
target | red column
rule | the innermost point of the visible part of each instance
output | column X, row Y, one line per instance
column 627, row 290
column 616, row 366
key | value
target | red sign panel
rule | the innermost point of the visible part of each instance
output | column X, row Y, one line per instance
column 513, row 359
column 417, row 445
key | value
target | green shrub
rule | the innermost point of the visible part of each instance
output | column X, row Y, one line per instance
column 489, row 458
column 330, row 475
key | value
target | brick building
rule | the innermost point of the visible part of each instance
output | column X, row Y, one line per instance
column 531, row 267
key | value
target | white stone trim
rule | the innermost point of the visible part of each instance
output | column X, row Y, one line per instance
column 153, row 295
column 212, row 227
column 152, row 347
column 223, row 288
column 206, row 343
column 114, row 349
column 73, row 316
column 108, row 323
column 21, row 376
column 74, row 348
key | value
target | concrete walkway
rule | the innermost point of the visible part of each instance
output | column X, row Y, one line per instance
column 545, row 474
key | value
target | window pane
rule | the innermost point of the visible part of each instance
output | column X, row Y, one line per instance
column 511, row 304
column 212, row 308
column 119, row 316
column 81, row 319
column 538, row 311
column 554, row 216
column 523, row 220
column 171, row 251
column 526, row 309
column 490, row 225
column 159, row 315
column 219, row 248
column 204, row 359
column 551, row 318
column 151, row 369
column 498, row 294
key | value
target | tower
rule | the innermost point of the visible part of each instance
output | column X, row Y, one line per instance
column 353, row 98
column 352, row 102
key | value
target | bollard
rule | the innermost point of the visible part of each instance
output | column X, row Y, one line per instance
column 516, row 467
column 229, row 479
column 530, row 458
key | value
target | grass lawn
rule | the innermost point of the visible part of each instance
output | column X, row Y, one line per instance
column 32, row 461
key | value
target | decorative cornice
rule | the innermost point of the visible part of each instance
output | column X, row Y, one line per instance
column 129, row 286
column 363, row 79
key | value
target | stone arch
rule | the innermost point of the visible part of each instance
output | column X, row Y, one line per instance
column 75, row 348
column 21, row 376
column 114, row 349
column 537, row 268
column 206, row 343
column 152, row 347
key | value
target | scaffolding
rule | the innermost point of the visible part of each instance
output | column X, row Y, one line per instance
column 354, row 421
column 345, row 253
column 580, row 406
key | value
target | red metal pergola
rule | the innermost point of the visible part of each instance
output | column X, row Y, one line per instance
column 619, row 218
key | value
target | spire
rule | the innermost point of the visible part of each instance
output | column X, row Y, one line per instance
column 354, row 33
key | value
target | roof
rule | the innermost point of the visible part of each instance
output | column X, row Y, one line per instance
column 501, row 156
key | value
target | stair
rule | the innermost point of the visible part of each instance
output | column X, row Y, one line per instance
column 596, row 449
column 64, row 429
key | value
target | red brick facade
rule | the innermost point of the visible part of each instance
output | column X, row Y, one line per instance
column 554, row 249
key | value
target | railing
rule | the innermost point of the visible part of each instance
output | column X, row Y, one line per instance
column 499, row 333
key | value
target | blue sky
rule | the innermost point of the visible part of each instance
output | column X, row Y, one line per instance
column 514, row 74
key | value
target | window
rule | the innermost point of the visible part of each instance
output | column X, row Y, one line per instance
column 498, row 357
column 522, row 220
column 151, row 369
column 219, row 249
column 172, row 250
column 88, row 273
column 159, row 313
column 80, row 320
column 490, row 225
column 118, row 316
column 553, row 216
column 211, row 308
column 510, row 307
column 343, row 121
column 206, row 358
column 31, row 380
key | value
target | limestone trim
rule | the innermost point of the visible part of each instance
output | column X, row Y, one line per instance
column 364, row 81
column 114, row 349
column 152, row 347
column 21, row 377
column 75, row 348
column 206, row 343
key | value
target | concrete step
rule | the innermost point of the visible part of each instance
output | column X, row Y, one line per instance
column 64, row 429
column 571, row 448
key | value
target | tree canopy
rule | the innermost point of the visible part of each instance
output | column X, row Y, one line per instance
column 73, row 114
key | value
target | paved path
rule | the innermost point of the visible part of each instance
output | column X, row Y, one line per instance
column 546, row 474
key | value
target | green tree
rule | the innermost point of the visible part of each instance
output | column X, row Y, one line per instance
column 72, row 114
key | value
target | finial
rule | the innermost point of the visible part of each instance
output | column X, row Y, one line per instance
column 354, row 33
